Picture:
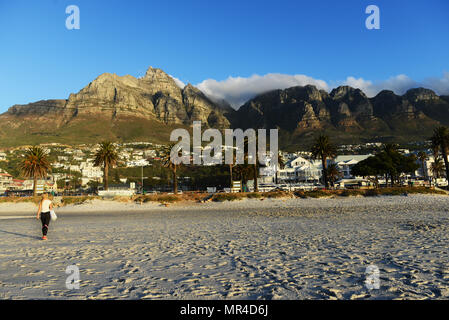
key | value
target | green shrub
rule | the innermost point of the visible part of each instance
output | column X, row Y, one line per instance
column 277, row 194
column 372, row 193
column 220, row 197
column 351, row 193
column 317, row 194
column 74, row 200
column 253, row 195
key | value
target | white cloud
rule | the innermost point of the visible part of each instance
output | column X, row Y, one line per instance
column 440, row 85
column 178, row 82
column 398, row 84
column 238, row 90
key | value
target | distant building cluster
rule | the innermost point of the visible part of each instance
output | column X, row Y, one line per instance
column 68, row 162
column 294, row 169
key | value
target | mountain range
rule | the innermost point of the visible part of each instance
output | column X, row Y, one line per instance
column 125, row 108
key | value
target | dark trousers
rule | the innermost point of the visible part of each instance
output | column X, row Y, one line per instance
column 45, row 218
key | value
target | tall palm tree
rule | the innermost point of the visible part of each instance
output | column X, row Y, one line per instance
column 35, row 165
column 168, row 163
column 437, row 167
column 422, row 156
column 281, row 165
column 231, row 166
column 390, row 148
column 323, row 149
column 441, row 138
column 333, row 173
column 106, row 157
column 256, row 175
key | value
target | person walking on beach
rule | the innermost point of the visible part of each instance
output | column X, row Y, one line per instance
column 45, row 206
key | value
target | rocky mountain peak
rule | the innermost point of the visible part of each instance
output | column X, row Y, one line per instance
column 343, row 92
column 421, row 94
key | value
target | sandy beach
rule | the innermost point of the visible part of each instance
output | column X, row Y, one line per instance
column 251, row 249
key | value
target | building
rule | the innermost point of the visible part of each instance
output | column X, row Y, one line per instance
column 345, row 164
column 300, row 169
column 5, row 181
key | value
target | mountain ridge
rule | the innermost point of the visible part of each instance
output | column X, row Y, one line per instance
column 125, row 108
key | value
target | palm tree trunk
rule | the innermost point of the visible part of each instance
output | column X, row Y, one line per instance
column 424, row 170
column 324, row 164
column 256, row 187
column 230, row 176
column 446, row 163
column 175, row 181
column 34, row 186
column 106, row 180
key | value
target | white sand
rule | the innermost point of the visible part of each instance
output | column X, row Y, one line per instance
column 272, row 249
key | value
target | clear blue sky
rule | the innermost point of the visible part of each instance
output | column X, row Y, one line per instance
column 194, row 40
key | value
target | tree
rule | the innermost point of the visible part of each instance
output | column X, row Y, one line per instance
column 281, row 165
column 106, row 157
column 93, row 185
column 333, row 173
column 437, row 167
column 370, row 167
column 422, row 156
column 388, row 162
column 323, row 149
column 441, row 138
column 35, row 165
column 231, row 166
column 168, row 163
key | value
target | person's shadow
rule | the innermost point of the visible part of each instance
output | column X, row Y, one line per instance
column 21, row 234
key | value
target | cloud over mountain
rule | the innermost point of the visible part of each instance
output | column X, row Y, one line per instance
column 238, row 90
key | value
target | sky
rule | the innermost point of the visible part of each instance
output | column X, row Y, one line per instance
column 230, row 49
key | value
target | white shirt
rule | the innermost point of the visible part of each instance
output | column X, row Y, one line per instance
column 46, row 205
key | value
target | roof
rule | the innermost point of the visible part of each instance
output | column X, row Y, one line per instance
column 5, row 174
column 352, row 158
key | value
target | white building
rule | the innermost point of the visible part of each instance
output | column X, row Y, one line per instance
column 346, row 162
column 300, row 169
column 137, row 163
column 5, row 181
column 89, row 171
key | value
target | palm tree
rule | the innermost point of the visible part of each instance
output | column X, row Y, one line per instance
column 323, row 149
column 255, row 175
column 390, row 148
column 168, row 163
column 231, row 166
column 441, row 138
column 333, row 173
column 35, row 165
column 281, row 165
column 106, row 157
column 422, row 156
column 437, row 167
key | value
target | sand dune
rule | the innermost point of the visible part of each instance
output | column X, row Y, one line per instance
column 272, row 249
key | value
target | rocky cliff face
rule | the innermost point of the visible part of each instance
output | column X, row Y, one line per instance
column 301, row 110
column 114, row 108
column 154, row 96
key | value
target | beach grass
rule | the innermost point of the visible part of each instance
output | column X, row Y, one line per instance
column 166, row 198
